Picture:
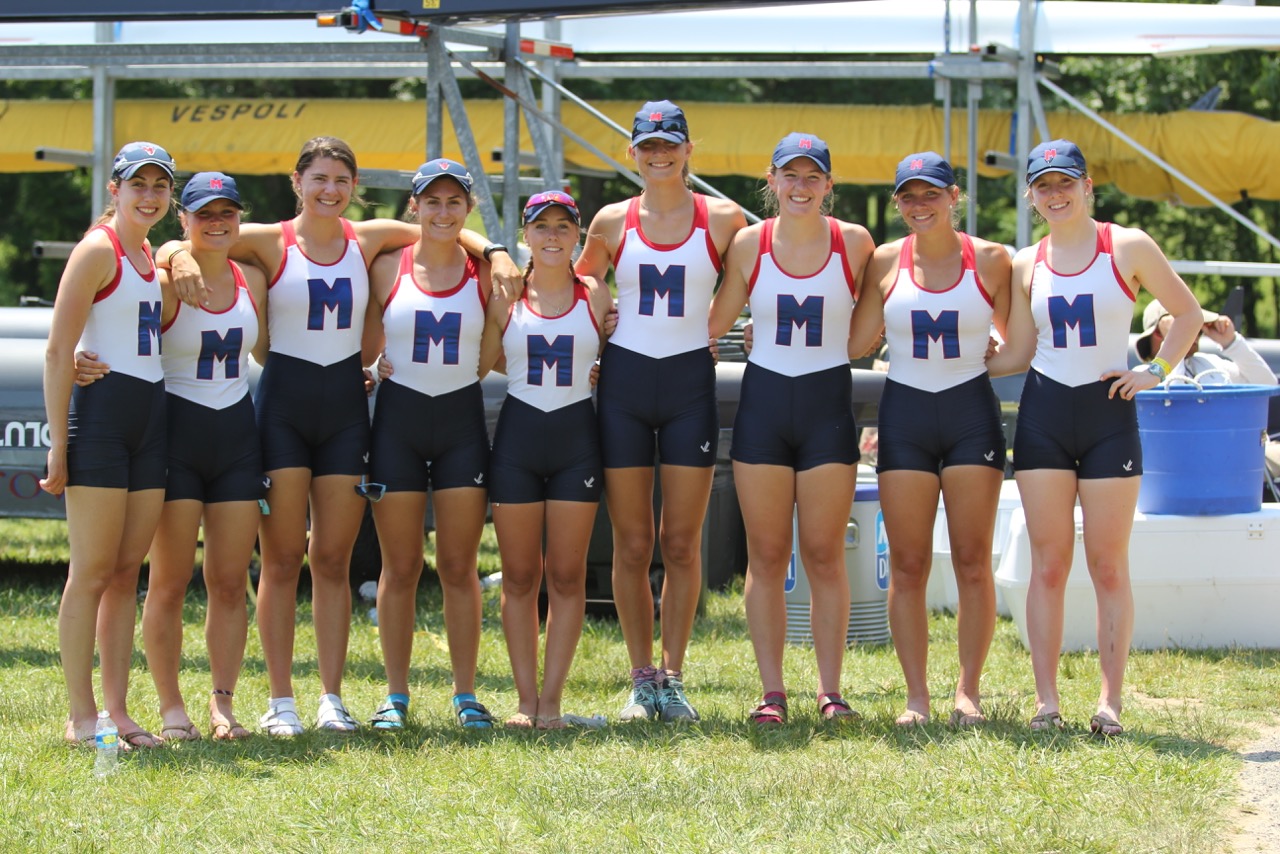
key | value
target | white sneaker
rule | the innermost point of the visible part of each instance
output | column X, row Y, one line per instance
column 333, row 716
column 281, row 719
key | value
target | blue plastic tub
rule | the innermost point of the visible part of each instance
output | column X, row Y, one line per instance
column 1202, row 449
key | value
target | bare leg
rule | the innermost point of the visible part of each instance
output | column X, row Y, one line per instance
column 909, row 501
column 118, row 610
column 767, row 497
column 283, row 543
column 399, row 517
column 568, row 535
column 1109, row 504
column 459, row 523
column 229, row 533
column 336, row 513
column 173, row 552
column 519, row 528
column 824, row 495
column 685, row 493
column 629, row 496
column 1048, row 499
column 95, row 524
column 971, row 523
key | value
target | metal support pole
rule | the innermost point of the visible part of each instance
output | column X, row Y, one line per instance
column 551, row 105
column 971, row 173
column 466, row 139
column 436, row 70
column 511, row 139
column 1026, row 91
column 1163, row 164
column 104, row 125
column 541, row 134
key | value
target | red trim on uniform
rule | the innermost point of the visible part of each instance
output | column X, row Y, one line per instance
column 1105, row 245
column 291, row 239
column 241, row 283
column 702, row 215
column 581, row 293
column 908, row 260
column 699, row 219
column 836, row 238
column 405, row 268
column 473, row 272
column 838, row 248
column 971, row 263
column 763, row 248
column 630, row 220
column 164, row 327
column 115, row 282
column 1042, row 259
column 349, row 231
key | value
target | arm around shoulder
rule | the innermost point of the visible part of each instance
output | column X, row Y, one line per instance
column 733, row 292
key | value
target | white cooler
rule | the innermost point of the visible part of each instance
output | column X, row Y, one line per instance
column 1198, row 581
column 866, row 559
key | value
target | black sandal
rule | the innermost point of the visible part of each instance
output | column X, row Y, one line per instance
column 772, row 710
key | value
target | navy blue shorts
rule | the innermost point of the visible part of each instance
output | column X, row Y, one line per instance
column 675, row 397
column 214, row 454
column 313, row 416
column 1077, row 428
column 545, row 456
column 422, row 441
column 931, row 430
column 116, row 434
column 800, row 422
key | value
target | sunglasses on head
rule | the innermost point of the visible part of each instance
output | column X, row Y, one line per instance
column 371, row 491
column 666, row 125
column 551, row 198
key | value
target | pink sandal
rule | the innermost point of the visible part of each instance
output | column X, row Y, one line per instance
column 772, row 710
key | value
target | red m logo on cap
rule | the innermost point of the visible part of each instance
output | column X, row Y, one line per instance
column 149, row 149
column 917, row 164
column 215, row 183
column 1049, row 154
column 655, row 117
column 805, row 143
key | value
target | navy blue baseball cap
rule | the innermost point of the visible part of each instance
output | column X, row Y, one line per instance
column 204, row 187
column 659, row 120
column 441, row 168
column 135, row 155
column 539, row 202
column 927, row 166
column 1056, row 155
column 795, row 145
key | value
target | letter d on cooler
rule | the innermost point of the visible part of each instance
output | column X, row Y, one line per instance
column 882, row 553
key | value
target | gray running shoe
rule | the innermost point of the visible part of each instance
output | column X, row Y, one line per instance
column 672, row 702
column 643, row 704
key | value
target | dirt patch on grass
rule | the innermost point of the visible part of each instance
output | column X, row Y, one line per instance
column 1258, row 814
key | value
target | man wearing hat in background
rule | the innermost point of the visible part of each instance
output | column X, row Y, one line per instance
column 1239, row 362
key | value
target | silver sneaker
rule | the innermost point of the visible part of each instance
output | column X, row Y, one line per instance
column 643, row 704
column 672, row 702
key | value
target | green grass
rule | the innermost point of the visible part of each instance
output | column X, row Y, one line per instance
column 1169, row 785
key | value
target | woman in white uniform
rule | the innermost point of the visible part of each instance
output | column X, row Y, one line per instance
column 795, row 446
column 1072, row 305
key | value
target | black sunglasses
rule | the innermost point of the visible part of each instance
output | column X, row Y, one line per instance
column 667, row 126
column 371, row 491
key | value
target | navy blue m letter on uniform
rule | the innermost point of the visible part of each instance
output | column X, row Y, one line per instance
column 544, row 354
column 324, row 299
column 148, row 327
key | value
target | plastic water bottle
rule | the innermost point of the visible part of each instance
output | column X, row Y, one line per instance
column 107, row 739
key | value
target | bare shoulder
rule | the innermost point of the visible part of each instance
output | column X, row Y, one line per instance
column 856, row 237
column 719, row 209
column 991, row 255
column 1124, row 238
column 888, row 253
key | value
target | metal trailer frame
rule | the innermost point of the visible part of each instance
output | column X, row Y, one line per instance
column 497, row 57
